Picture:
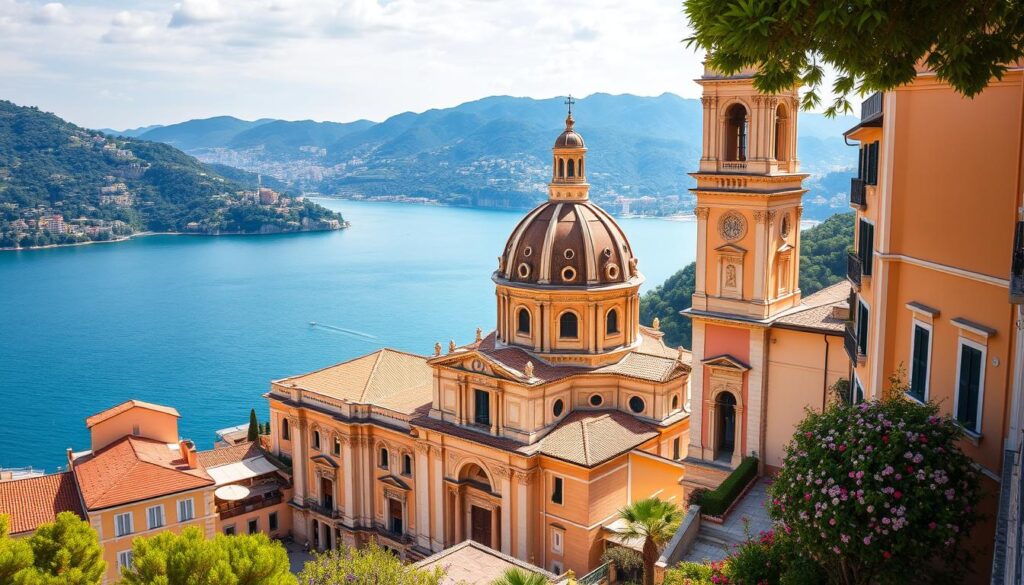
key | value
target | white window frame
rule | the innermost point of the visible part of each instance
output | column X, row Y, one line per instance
column 981, row 381
column 192, row 509
column 853, row 391
column 131, row 524
column 557, row 540
column 149, row 518
column 124, row 560
column 914, row 324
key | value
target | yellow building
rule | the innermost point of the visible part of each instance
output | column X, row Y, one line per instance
column 761, row 352
column 529, row 438
column 938, row 201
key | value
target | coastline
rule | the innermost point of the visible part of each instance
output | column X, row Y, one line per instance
column 346, row 224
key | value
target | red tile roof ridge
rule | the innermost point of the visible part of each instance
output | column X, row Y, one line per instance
column 50, row 494
column 376, row 355
column 126, row 406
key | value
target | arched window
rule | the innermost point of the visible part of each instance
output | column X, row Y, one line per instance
column 316, row 439
column 568, row 326
column 579, row 168
column 572, row 168
column 383, row 458
column 523, row 317
column 407, row 464
column 284, row 430
column 561, row 168
column 781, row 127
column 675, row 402
column 736, row 133
column 337, row 446
column 612, row 322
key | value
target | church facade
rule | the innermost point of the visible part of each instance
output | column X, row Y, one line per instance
column 530, row 438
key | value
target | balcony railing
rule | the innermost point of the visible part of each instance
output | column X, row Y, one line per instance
column 854, row 268
column 249, row 505
column 871, row 107
column 734, row 165
column 322, row 509
column 858, row 192
column 850, row 343
column 386, row 532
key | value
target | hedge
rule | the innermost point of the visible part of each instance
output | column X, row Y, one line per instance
column 717, row 501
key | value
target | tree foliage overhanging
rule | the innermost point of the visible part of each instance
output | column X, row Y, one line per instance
column 872, row 46
column 66, row 551
column 823, row 251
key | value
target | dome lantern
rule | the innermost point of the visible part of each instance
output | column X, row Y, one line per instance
column 568, row 163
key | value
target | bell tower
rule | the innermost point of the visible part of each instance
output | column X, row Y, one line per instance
column 749, row 190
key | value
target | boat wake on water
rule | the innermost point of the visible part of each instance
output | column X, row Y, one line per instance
column 351, row 332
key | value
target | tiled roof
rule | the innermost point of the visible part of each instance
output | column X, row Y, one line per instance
column 228, row 455
column 817, row 310
column 37, row 500
column 134, row 469
column 387, row 378
column 590, row 438
column 471, row 563
column 126, row 406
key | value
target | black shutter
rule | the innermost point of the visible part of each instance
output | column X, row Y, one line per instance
column 919, row 363
column 969, row 387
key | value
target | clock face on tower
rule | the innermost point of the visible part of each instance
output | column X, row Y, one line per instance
column 732, row 226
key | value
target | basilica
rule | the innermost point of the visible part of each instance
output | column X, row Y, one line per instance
column 533, row 436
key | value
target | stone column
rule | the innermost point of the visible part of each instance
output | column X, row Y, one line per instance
column 697, row 391
column 368, row 474
column 522, row 506
column 350, row 479
column 755, row 390
column 298, row 460
column 794, row 268
column 495, row 537
column 699, row 286
column 438, row 539
column 494, row 412
column 760, row 257
column 422, row 496
column 505, row 475
column 737, row 450
column 275, row 432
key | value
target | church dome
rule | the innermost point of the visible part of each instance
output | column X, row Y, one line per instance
column 569, row 138
column 568, row 244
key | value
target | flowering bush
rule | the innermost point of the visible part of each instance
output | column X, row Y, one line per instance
column 877, row 492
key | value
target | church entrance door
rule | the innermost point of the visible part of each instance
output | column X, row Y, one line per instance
column 726, row 425
column 481, row 525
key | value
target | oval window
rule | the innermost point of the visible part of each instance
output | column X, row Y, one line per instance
column 558, row 408
column 523, row 270
column 527, row 251
column 568, row 274
column 612, row 271
column 569, row 254
column 596, row 400
column 637, row 404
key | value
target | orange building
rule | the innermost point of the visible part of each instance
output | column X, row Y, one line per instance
column 761, row 352
column 938, row 201
column 529, row 438
column 138, row 479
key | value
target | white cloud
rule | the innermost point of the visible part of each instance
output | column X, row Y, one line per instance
column 193, row 12
column 52, row 13
column 129, row 27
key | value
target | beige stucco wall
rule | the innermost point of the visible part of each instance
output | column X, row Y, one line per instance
column 152, row 425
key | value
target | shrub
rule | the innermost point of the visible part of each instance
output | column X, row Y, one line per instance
column 717, row 501
column 627, row 562
column 689, row 574
column 696, row 496
column 877, row 493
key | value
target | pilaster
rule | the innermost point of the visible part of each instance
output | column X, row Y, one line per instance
column 755, row 393
column 697, row 388
column 422, row 495
column 437, row 540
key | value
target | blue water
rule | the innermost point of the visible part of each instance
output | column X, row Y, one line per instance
column 204, row 323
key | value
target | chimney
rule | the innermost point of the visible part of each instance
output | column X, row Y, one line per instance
column 71, row 459
column 188, row 452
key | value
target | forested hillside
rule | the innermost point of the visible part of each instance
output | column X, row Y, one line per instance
column 823, row 250
column 112, row 187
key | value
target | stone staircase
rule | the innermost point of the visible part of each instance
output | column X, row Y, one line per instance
column 713, row 543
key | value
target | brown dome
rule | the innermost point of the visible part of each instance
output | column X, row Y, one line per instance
column 568, row 244
column 569, row 138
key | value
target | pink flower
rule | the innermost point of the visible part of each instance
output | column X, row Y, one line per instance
column 842, row 448
column 897, row 494
column 932, row 525
column 886, row 554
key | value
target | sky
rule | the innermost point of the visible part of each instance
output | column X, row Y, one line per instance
column 104, row 63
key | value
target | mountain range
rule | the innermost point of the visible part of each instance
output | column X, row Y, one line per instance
column 494, row 152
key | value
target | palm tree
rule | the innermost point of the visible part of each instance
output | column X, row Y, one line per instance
column 517, row 576
column 655, row 521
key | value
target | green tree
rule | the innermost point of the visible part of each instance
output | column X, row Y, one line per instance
column 66, row 552
column 371, row 565
column 655, row 522
column 15, row 554
column 517, row 576
column 666, row 301
column 189, row 558
column 873, row 46
column 878, row 492
column 254, row 426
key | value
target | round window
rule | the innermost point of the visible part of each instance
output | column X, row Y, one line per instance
column 568, row 274
column 636, row 404
column 524, row 270
column 569, row 254
column 596, row 400
column 607, row 252
column 558, row 408
column 527, row 251
column 612, row 271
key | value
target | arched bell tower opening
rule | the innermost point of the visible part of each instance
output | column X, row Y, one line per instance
column 737, row 127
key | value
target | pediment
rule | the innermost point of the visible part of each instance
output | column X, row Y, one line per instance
column 787, row 247
column 478, row 363
column 325, row 460
column 394, row 481
column 731, row 249
column 726, row 362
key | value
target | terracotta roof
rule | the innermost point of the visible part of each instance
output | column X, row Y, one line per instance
column 816, row 311
column 126, row 406
column 37, row 500
column 133, row 469
column 387, row 378
column 590, row 437
column 228, row 455
column 471, row 563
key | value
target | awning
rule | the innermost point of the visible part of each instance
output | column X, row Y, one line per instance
column 232, row 472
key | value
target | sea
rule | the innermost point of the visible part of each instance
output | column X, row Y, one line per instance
column 204, row 323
